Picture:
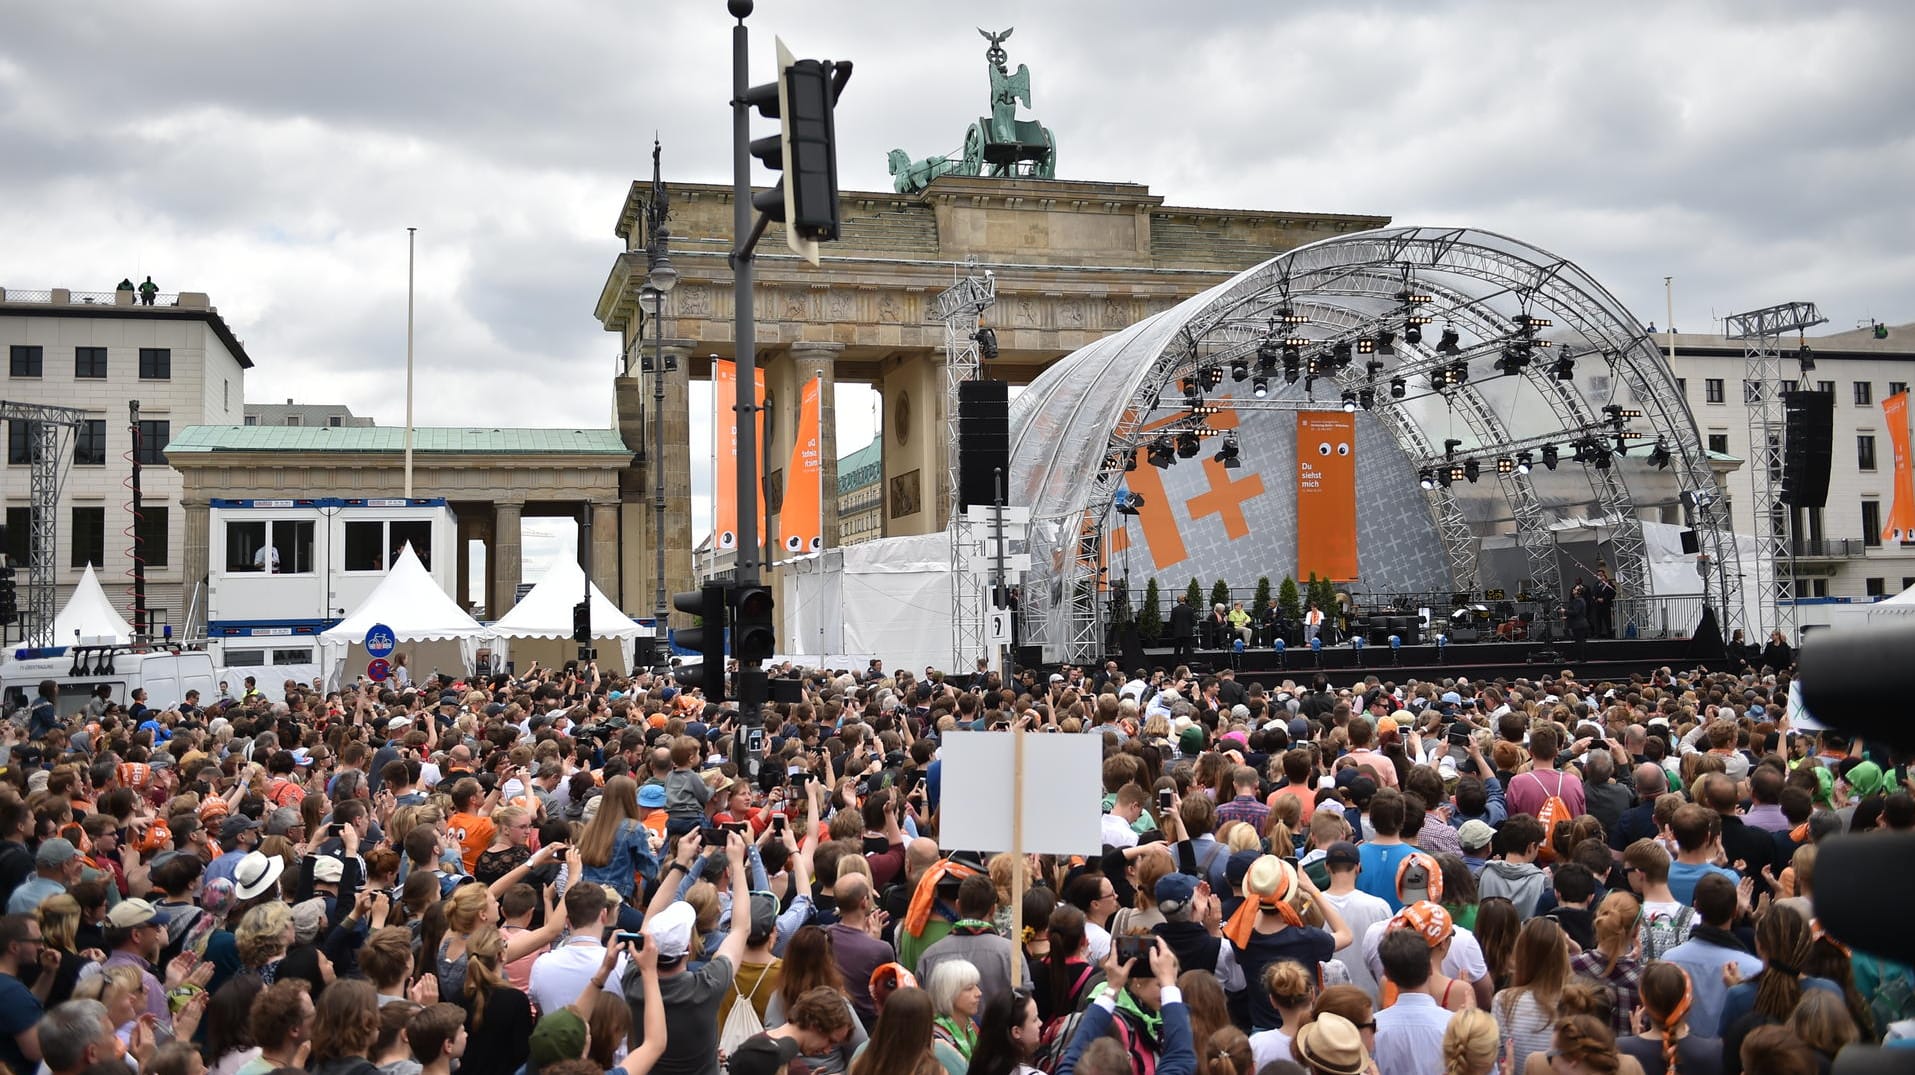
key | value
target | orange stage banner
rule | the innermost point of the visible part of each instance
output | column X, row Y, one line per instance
column 1901, row 512
column 725, row 461
column 801, row 522
column 1326, row 495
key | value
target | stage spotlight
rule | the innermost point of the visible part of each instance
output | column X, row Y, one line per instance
column 1447, row 345
column 1399, row 388
column 1525, row 462
column 1292, row 366
column 1450, row 446
column 1453, row 474
column 1613, row 414
column 1412, row 333
column 1130, row 461
column 1565, row 368
column 1371, row 369
column 1806, row 357
column 1261, row 386
column 1162, row 455
column 1579, row 451
column 1366, row 398
column 1340, row 353
column 1366, row 346
column 1187, row 445
column 1128, row 502
column 1385, row 342
column 1659, row 455
column 1549, row 456
column 1212, row 377
column 1349, row 401
column 1602, row 458
column 1459, row 371
column 1471, row 470
column 1505, row 465
column 1239, row 370
column 986, row 342
column 1227, row 454
column 1193, row 399
column 1426, row 478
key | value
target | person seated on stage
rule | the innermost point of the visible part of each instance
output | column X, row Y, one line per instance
column 1239, row 622
column 1216, row 628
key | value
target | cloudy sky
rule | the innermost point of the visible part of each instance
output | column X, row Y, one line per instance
column 273, row 155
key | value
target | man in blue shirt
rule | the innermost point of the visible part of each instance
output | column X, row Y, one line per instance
column 1698, row 833
column 1382, row 855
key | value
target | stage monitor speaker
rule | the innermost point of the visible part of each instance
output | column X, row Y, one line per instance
column 1808, row 442
column 1033, row 657
column 1690, row 543
column 984, row 440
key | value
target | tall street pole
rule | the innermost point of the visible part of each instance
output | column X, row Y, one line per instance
column 411, row 234
column 745, row 325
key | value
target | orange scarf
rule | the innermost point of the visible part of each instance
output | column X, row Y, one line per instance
column 1241, row 924
column 925, row 895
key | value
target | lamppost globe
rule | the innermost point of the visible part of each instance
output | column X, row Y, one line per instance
column 648, row 293
column 662, row 275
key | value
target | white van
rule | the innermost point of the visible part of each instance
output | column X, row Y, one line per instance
column 166, row 676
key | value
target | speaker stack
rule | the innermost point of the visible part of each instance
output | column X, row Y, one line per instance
column 984, row 440
column 1808, row 442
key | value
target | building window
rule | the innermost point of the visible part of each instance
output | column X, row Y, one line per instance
column 89, row 362
column 225, row 395
column 252, row 419
column 1865, row 451
column 1875, row 587
column 1896, row 388
column 1908, row 582
column 1712, row 390
column 1872, row 524
column 153, row 438
column 89, row 443
column 89, row 537
column 373, row 546
column 1864, row 393
column 156, row 363
column 292, row 419
column 282, row 547
column 335, row 421
column 1751, row 391
column 152, row 533
column 1719, row 442
column 19, row 545
column 25, row 360
column 20, row 443
column 1815, row 588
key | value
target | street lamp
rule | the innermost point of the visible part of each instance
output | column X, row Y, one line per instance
column 660, row 278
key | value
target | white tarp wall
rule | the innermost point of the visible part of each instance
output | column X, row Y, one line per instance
column 1902, row 604
column 889, row 599
column 1673, row 572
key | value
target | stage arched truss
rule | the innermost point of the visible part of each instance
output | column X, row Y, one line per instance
column 1078, row 426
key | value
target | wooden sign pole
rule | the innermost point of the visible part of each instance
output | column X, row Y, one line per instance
column 1018, row 879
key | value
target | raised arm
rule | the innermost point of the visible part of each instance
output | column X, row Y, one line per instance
column 733, row 947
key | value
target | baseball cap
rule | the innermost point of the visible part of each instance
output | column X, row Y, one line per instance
column 233, row 826
column 1475, row 834
column 671, row 930
column 1174, row 892
column 559, row 1036
column 302, row 757
column 1342, row 853
column 1418, row 877
column 57, row 851
column 1446, row 767
column 127, row 914
column 398, row 724
column 1429, row 920
column 328, row 870
column 1451, row 698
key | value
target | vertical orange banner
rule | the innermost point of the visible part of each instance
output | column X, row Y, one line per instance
column 801, row 521
column 724, row 502
column 1901, row 512
column 1326, row 495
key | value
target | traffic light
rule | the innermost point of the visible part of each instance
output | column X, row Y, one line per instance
column 754, row 638
column 582, row 623
column 802, row 99
column 9, row 600
column 708, row 638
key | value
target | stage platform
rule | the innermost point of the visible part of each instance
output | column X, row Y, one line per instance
column 1615, row 659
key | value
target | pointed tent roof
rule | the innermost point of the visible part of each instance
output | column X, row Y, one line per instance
column 91, row 615
column 410, row 603
column 546, row 610
column 1902, row 602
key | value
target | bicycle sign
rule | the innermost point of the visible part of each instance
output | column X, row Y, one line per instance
column 380, row 641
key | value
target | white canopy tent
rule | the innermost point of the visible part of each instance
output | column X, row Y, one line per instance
column 540, row 625
column 89, row 618
column 889, row 598
column 432, row 631
column 1902, row 604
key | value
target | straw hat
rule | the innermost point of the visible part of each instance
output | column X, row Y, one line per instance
column 1333, row 1045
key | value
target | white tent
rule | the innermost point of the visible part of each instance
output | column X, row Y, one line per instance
column 89, row 617
column 1855, row 615
column 432, row 631
column 542, row 621
column 889, row 598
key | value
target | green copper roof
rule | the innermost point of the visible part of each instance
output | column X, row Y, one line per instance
column 861, row 468
column 425, row 439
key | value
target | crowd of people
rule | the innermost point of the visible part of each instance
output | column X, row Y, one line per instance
column 569, row 873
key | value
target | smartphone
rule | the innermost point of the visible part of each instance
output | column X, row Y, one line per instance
column 712, row 838
column 1459, row 735
column 742, row 828
column 629, row 937
column 1137, row 948
column 1163, row 798
column 778, row 824
column 801, row 778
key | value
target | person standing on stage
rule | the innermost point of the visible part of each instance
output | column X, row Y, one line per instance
column 1576, row 619
column 1183, row 627
column 1602, row 603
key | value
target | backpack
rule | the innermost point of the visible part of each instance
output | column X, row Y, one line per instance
column 1553, row 810
column 741, row 1022
column 1665, row 932
column 1056, row 1035
column 1056, row 1041
column 1893, row 998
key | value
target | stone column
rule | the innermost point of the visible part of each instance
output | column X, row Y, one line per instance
column 818, row 359
column 505, row 559
column 605, row 550
column 193, row 566
column 637, row 486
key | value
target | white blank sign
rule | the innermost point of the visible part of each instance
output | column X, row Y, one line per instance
column 1063, row 792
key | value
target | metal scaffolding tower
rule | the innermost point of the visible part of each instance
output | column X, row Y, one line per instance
column 960, row 307
column 46, row 428
column 1761, row 332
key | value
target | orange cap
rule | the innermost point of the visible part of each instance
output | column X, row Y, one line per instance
column 1428, row 919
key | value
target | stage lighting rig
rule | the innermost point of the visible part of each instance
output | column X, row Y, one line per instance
column 1448, row 344
column 1292, row 365
column 1549, row 456
column 1130, row 460
column 1450, row 446
column 1260, row 387
column 1471, row 470
column 1162, row 454
column 1399, row 388
column 1128, row 502
column 1340, row 354
column 1565, row 368
column 1385, row 342
column 1212, row 377
column 1366, row 346
column 1239, row 370
column 1505, row 465
column 1659, row 455
column 1366, row 398
column 1452, row 474
column 1349, row 402
column 1426, row 478
column 1187, row 445
column 1525, row 462
column 1527, row 325
column 1613, row 414
column 1805, row 356
column 1408, row 298
column 986, row 343
column 1288, row 316
column 1228, row 453
column 1371, row 369
column 1413, row 328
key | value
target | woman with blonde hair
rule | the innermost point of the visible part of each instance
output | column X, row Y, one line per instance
column 59, row 927
column 1616, row 961
column 511, row 844
column 1292, row 991
column 1469, row 1043
column 262, row 939
column 616, row 847
column 498, row 1017
column 1527, row 1009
